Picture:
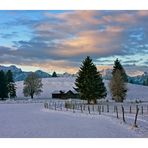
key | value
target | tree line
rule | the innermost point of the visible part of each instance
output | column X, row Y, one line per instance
column 89, row 83
column 32, row 85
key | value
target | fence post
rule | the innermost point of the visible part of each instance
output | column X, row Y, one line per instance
column 99, row 109
column 76, row 106
column 117, row 112
column 73, row 108
column 55, row 106
column 102, row 108
column 81, row 108
column 52, row 105
column 107, row 108
column 130, row 109
column 89, row 109
column 142, row 110
column 61, row 106
column 66, row 105
column 84, row 107
column 114, row 108
column 135, row 122
column 123, row 117
column 44, row 105
column 49, row 105
column 93, row 108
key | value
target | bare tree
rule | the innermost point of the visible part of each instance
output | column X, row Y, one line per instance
column 32, row 85
column 118, row 87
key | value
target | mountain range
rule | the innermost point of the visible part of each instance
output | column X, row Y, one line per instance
column 20, row 75
column 139, row 79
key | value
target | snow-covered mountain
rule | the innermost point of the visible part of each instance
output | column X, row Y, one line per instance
column 13, row 68
column 106, row 74
column 139, row 79
column 20, row 75
column 66, row 75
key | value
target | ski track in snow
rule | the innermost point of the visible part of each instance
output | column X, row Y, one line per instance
column 33, row 121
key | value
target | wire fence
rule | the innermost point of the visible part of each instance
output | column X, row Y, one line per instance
column 119, row 110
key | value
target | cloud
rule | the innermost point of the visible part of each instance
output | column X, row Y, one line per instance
column 4, row 51
column 66, row 38
column 78, row 33
column 93, row 43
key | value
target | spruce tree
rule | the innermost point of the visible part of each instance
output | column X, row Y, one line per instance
column 117, row 84
column 54, row 74
column 3, row 86
column 89, row 83
column 118, row 66
column 9, row 76
column 10, row 84
column 11, row 90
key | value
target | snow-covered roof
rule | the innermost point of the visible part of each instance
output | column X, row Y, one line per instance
column 58, row 91
column 65, row 91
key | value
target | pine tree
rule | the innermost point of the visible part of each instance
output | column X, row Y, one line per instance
column 89, row 82
column 117, row 84
column 3, row 86
column 11, row 90
column 118, row 66
column 9, row 76
column 54, row 74
column 10, row 84
column 32, row 85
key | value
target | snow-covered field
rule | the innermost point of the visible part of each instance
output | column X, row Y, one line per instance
column 61, row 83
column 49, row 85
column 32, row 120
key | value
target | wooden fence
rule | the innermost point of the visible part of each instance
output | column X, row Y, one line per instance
column 116, row 109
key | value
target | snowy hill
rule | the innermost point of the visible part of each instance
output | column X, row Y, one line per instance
column 67, row 83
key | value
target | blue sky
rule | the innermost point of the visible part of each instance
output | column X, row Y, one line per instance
column 60, row 40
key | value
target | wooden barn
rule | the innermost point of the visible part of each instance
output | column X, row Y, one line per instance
column 61, row 94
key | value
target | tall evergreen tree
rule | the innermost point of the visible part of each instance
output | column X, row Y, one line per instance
column 11, row 90
column 117, row 84
column 10, row 84
column 3, row 86
column 89, row 82
column 9, row 76
column 118, row 66
column 54, row 74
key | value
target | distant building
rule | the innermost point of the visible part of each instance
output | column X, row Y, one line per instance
column 61, row 94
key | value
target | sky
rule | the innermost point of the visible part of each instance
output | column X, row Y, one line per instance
column 60, row 40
